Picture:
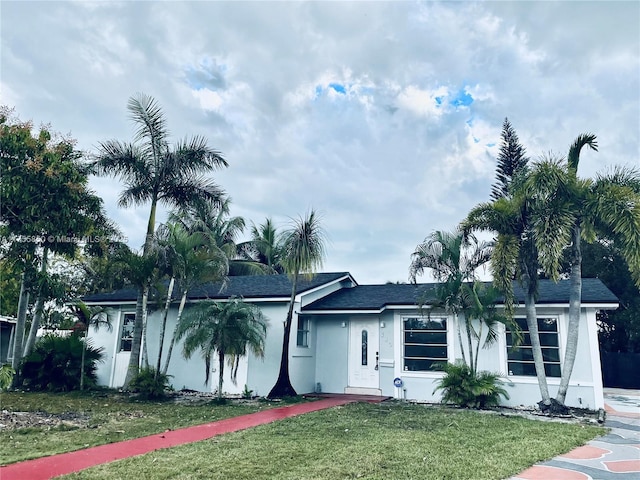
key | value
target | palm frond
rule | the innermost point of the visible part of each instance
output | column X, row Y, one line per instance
column 573, row 159
column 150, row 121
column 304, row 245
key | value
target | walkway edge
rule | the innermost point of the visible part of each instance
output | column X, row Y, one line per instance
column 48, row 467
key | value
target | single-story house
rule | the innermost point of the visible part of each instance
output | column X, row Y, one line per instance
column 367, row 339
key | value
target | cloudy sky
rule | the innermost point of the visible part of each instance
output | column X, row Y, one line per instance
column 385, row 117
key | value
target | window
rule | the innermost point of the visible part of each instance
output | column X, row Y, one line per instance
column 425, row 343
column 365, row 347
column 126, row 338
column 303, row 331
column 520, row 358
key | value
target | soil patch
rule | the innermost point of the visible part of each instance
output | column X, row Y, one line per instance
column 42, row 420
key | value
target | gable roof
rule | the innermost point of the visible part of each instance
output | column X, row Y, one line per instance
column 379, row 297
column 247, row 286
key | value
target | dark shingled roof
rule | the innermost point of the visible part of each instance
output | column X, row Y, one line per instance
column 376, row 297
column 249, row 286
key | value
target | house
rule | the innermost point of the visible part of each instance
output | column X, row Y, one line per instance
column 7, row 328
column 368, row 339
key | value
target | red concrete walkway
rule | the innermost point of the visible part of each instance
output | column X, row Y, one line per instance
column 48, row 467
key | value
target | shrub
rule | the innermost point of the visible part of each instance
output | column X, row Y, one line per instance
column 461, row 386
column 6, row 376
column 149, row 385
column 246, row 393
column 55, row 364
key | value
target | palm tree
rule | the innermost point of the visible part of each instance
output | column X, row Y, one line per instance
column 569, row 209
column 265, row 246
column 155, row 172
column 96, row 317
column 515, row 255
column 453, row 259
column 230, row 329
column 303, row 253
column 190, row 259
column 222, row 230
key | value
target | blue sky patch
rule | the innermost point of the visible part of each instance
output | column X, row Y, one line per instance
column 461, row 99
column 338, row 88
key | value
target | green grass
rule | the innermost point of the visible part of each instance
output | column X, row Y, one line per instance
column 365, row 441
column 109, row 418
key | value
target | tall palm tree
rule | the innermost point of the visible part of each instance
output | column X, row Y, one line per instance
column 569, row 209
column 155, row 172
column 515, row 255
column 265, row 246
column 453, row 259
column 222, row 230
column 230, row 329
column 190, row 259
column 303, row 254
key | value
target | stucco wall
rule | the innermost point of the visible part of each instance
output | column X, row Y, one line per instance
column 332, row 348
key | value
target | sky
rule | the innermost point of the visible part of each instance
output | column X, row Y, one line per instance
column 383, row 117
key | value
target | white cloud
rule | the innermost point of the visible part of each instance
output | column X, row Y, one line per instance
column 385, row 116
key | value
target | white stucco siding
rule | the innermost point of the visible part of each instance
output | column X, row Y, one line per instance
column 263, row 373
column 109, row 341
column 387, row 357
column 331, row 369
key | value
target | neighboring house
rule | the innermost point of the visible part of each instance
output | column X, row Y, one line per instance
column 350, row 338
column 7, row 328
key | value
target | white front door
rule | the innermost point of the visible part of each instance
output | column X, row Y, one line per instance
column 364, row 354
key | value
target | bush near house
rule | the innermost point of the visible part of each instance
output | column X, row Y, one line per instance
column 466, row 388
column 55, row 365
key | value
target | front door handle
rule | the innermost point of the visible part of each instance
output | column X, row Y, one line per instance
column 377, row 358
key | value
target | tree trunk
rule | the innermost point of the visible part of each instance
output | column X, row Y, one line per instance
column 532, row 325
column 283, row 387
column 220, row 373
column 467, row 324
column 478, row 343
column 183, row 300
column 136, row 341
column 18, row 337
column 84, row 349
column 39, row 308
column 141, row 303
column 164, row 324
column 457, row 320
column 573, row 329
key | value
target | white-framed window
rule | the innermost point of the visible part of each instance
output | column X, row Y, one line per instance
column 126, row 334
column 304, row 325
column 424, row 343
column 520, row 358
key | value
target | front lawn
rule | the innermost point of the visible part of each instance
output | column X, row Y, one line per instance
column 387, row 441
column 72, row 421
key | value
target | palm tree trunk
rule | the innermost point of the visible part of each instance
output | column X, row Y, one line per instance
column 136, row 342
column 467, row 324
column 457, row 320
column 141, row 303
column 573, row 330
column 39, row 308
column 478, row 343
column 283, row 387
column 532, row 325
column 183, row 300
column 84, row 349
column 18, row 337
column 164, row 324
column 220, row 373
